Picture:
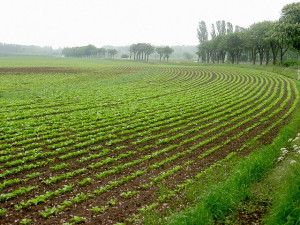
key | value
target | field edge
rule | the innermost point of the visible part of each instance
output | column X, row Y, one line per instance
column 223, row 198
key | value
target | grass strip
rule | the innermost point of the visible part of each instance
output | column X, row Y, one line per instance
column 285, row 201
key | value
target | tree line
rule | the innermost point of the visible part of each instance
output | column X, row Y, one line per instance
column 14, row 49
column 265, row 40
column 89, row 51
column 141, row 51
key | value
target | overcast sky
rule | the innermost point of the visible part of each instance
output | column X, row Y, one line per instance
column 65, row 23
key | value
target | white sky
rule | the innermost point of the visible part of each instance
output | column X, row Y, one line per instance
column 64, row 23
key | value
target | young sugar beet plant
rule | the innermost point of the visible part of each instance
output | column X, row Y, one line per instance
column 2, row 211
column 110, row 203
column 129, row 194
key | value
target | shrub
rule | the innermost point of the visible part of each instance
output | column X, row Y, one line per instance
column 291, row 63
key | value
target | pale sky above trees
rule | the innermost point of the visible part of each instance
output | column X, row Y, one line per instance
column 67, row 23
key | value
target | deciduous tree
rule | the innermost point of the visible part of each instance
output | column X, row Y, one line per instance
column 160, row 51
column 290, row 24
column 167, row 52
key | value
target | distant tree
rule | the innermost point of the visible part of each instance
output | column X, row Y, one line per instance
column 167, row 52
column 202, row 32
column 220, row 42
column 281, row 39
column 141, row 51
column 221, row 27
column 89, row 50
column 82, row 51
column 229, row 28
column 235, row 43
column 141, row 54
column 133, row 50
column 160, row 51
column 218, row 45
column 111, row 53
column 207, row 48
column 202, row 52
column 259, row 39
column 149, row 49
column 274, row 44
column 214, row 46
column 213, row 33
column 67, row 52
column 252, row 44
column 101, row 52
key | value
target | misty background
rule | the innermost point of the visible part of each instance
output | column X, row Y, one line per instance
column 43, row 27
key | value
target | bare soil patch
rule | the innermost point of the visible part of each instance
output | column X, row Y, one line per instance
column 34, row 70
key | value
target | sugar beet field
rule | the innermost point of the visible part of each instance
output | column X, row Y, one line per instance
column 95, row 141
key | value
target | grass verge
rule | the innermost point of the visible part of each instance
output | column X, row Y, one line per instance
column 275, row 199
column 286, row 198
